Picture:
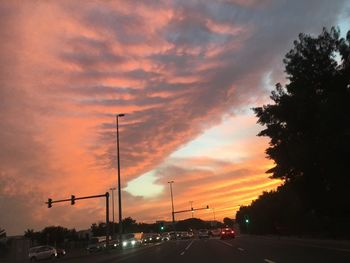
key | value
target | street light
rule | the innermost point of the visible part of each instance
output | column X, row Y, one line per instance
column 119, row 188
column 172, row 202
column 112, row 189
column 191, row 202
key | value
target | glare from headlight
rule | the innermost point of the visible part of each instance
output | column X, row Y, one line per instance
column 125, row 243
column 133, row 242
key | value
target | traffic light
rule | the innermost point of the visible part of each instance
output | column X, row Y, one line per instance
column 49, row 203
column 72, row 200
column 162, row 226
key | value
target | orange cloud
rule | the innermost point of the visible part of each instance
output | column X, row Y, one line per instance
column 174, row 68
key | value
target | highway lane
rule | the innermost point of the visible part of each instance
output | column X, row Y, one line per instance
column 243, row 249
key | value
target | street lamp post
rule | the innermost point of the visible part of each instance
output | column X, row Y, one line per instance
column 119, row 186
column 113, row 227
column 191, row 202
column 172, row 203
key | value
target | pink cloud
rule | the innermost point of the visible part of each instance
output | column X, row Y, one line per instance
column 68, row 67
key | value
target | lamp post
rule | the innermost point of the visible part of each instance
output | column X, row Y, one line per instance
column 119, row 187
column 191, row 202
column 113, row 227
column 172, row 203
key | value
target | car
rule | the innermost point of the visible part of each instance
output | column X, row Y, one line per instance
column 113, row 244
column 203, row 233
column 151, row 238
column 166, row 237
column 215, row 232
column 172, row 235
column 184, row 235
column 227, row 233
column 41, row 253
column 96, row 244
column 130, row 242
column 60, row 252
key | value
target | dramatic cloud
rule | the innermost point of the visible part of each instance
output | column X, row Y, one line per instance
column 176, row 68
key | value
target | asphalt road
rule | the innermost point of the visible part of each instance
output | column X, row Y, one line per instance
column 243, row 249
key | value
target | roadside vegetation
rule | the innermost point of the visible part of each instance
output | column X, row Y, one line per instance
column 309, row 129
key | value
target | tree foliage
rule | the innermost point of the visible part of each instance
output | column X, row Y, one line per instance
column 309, row 129
column 2, row 233
column 229, row 221
column 51, row 235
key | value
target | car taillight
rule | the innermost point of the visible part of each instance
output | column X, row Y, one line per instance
column 222, row 232
column 232, row 232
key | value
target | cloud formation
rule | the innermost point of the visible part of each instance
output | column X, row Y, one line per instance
column 174, row 67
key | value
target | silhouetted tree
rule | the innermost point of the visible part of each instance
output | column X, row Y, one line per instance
column 228, row 221
column 32, row 235
column 2, row 233
column 309, row 128
column 99, row 229
column 54, row 235
column 191, row 223
column 129, row 225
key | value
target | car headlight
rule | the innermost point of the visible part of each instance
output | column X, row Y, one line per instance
column 133, row 242
column 150, row 238
column 125, row 243
column 115, row 245
column 157, row 237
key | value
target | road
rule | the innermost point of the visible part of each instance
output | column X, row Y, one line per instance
column 243, row 249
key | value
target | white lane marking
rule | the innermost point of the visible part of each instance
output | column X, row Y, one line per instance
column 241, row 249
column 228, row 244
column 269, row 261
column 189, row 245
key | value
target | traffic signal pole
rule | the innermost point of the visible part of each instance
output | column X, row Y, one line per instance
column 191, row 210
column 73, row 199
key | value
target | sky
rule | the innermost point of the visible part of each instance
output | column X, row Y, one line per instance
column 186, row 74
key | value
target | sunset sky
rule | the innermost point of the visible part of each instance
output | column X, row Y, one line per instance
column 186, row 74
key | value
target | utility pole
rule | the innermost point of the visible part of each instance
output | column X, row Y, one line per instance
column 119, row 184
column 113, row 227
column 191, row 202
column 172, row 203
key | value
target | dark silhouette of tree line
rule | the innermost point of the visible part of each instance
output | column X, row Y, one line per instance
column 62, row 237
column 131, row 226
column 309, row 129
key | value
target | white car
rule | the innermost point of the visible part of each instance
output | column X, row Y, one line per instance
column 42, row 252
column 203, row 233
